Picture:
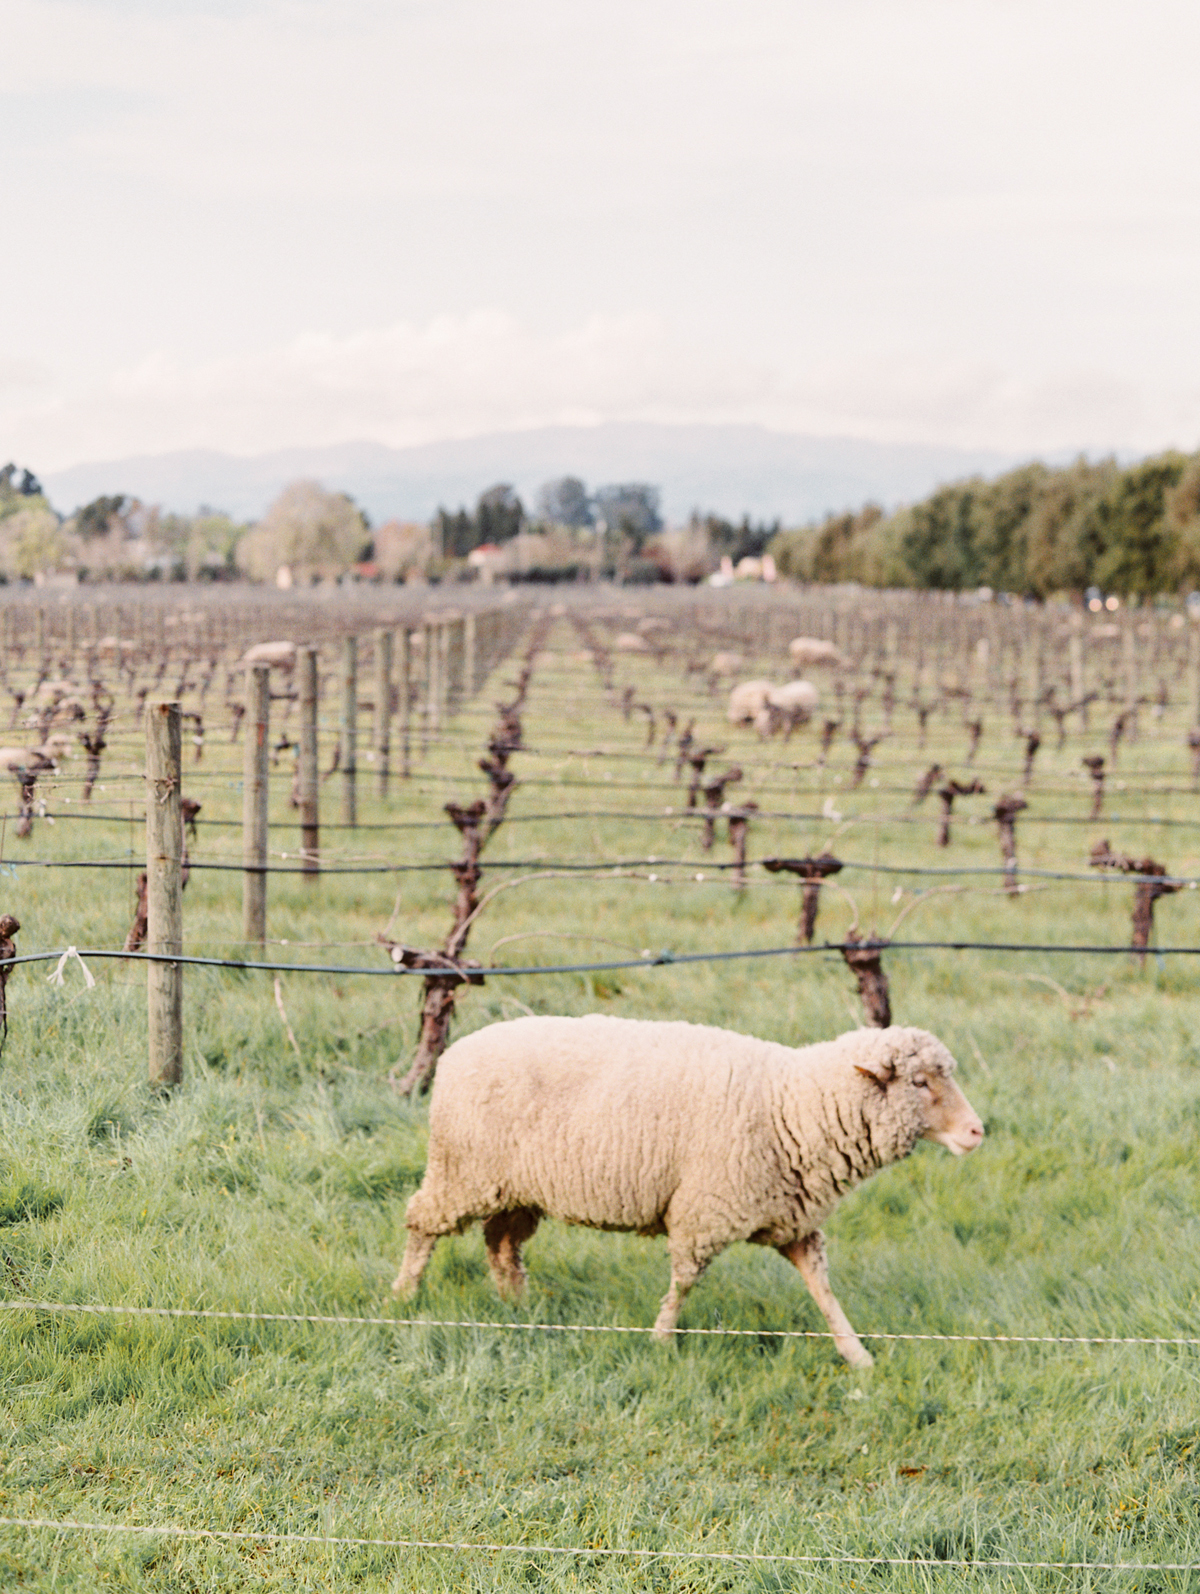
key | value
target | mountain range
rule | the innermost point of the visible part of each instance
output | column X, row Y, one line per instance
column 729, row 470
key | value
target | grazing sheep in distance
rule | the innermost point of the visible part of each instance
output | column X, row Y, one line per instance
column 21, row 761
column 787, row 707
column 697, row 1133
column 748, row 700
column 807, row 651
column 725, row 664
column 279, row 655
column 630, row 642
column 119, row 648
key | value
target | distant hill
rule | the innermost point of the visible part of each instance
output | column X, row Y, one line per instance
column 732, row 470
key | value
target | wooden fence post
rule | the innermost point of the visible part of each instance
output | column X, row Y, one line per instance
column 254, row 803
column 164, row 893
column 349, row 730
column 445, row 663
column 432, row 721
column 310, row 821
column 383, row 707
column 404, row 699
column 471, row 685
column 456, row 658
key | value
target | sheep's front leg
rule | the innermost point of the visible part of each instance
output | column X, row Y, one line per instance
column 808, row 1255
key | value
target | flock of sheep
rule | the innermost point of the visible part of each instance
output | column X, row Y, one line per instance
column 770, row 708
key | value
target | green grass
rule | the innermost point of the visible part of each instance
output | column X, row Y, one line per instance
column 277, row 1183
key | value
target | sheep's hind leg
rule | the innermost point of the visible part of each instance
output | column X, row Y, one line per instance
column 416, row 1253
column 808, row 1255
column 685, row 1271
column 504, row 1234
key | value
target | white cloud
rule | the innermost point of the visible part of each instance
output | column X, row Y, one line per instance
column 485, row 372
column 969, row 221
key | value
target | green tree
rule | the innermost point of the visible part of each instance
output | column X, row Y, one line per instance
column 1181, row 511
column 630, row 510
column 310, row 530
column 96, row 519
column 1126, row 539
column 33, row 540
column 455, row 535
column 1000, row 512
column 939, row 538
column 499, row 514
column 1056, row 558
column 565, row 502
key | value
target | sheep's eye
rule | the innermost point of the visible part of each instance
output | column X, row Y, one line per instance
column 920, row 1081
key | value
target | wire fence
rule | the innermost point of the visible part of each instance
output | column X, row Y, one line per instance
column 606, row 868
column 343, row 1320
column 172, row 1530
column 649, row 960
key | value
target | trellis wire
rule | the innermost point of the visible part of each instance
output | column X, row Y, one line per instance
column 661, row 959
column 627, row 1552
column 597, row 866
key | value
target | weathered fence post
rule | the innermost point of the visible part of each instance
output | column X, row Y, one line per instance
column 349, row 730
column 383, row 708
column 445, row 665
column 431, row 718
column 254, row 803
column 470, row 684
column 404, row 699
column 310, row 820
column 164, row 893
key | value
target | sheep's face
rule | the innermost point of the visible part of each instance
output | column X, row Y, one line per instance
column 917, row 1071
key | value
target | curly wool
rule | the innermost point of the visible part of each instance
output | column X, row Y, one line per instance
column 699, row 1132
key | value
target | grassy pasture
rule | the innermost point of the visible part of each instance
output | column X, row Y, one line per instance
column 276, row 1182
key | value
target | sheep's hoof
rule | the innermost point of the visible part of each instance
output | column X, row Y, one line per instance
column 857, row 1356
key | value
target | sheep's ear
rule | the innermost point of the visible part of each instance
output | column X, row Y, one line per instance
column 881, row 1068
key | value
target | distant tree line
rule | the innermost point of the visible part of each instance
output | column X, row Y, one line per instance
column 628, row 509
column 1035, row 531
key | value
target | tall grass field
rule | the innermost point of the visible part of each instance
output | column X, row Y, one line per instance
column 274, row 1180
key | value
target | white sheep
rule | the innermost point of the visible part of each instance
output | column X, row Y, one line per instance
column 807, row 651
column 747, row 700
column 725, row 664
column 671, row 1128
column 631, row 642
column 786, row 708
column 21, row 761
column 279, row 655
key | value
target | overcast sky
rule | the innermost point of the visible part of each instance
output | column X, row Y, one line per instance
column 248, row 226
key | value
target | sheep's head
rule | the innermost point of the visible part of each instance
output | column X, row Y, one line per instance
column 917, row 1072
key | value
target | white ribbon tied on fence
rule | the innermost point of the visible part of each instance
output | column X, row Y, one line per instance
column 56, row 976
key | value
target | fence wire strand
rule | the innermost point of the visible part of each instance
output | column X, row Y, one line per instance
column 626, row 1552
column 224, row 1314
